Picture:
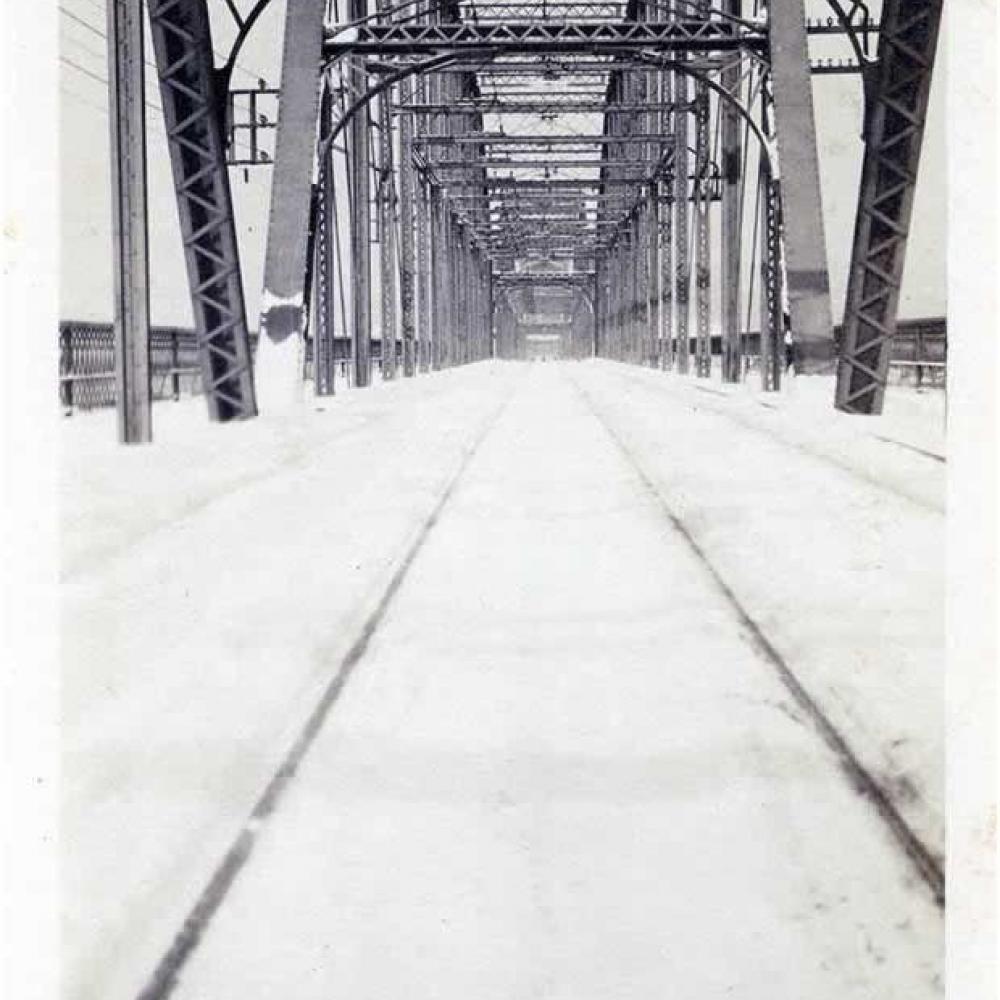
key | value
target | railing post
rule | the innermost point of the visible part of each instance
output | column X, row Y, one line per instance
column 66, row 366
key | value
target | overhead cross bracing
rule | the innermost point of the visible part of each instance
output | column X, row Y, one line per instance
column 665, row 149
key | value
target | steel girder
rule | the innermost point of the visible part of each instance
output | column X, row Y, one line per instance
column 407, row 264
column 385, row 199
column 682, row 265
column 287, row 255
column 182, row 43
column 681, row 35
column 536, row 106
column 322, row 311
column 807, row 273
column 360, row 163
column 893, row 138
column 771, row 325
column 732, row 168
column 129, row 218
column 702, row 237
column 544, row 140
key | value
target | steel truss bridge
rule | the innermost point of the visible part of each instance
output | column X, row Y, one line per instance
column 648, row 170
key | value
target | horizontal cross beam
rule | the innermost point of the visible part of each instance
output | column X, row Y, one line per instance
column 493, row 139
column 697, row 34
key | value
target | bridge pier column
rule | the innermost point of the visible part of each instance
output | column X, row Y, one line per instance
column 806, row 269
column 283, row 315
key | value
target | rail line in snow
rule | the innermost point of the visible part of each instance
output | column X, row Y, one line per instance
column 798, row 446
column 166, row 975
column 926, row 865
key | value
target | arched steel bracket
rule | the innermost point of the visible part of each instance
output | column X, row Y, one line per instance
column 224, row 73
column 857, row 24
column 679, row 67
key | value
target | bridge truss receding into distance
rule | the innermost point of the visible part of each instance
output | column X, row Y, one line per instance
column 632, row 174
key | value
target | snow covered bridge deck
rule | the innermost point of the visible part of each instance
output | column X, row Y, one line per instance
column 566, row 680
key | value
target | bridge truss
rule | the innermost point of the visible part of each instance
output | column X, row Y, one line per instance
column 647, row 169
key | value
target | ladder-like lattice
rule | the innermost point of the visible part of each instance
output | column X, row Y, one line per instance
column 182, row 42
column 893, row 137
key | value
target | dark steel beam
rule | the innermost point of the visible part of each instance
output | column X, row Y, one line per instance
column 323, row 310
column 493, row 139
column 893, row 139
column 681, row 35
column 183, row 45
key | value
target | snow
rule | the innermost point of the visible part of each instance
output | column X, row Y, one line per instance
column 560, row 770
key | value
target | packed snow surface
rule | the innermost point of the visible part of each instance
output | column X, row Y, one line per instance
column 561, row 769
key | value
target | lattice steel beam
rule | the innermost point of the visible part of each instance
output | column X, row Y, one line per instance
column 538, row 106
column 407, row 222
column 893, row 138
column 681, row 35
column 493, row 139
column 702, row 239
column 771, row 325
column 183, row 45
column 682, row 263
column 323, row 247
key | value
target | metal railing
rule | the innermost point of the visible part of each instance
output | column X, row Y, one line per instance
column 87, row 359
column 87, row 363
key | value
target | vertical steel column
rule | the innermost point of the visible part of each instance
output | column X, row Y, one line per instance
column 387, row 241
column 732, row 169
column 893, row 139
column 653, row 269
column 667, row 230
column 653, row 150
column 283, row 315
column 702, row 242
column 323, row 311
column 807, row 273
column 131, row 246
column 360, row 217
column 681, row 194
column 425, row 336
column 460, row 294
column 406, row 223
column 438, row 266
column 624, row 298
column 771, row 349
column 182, row 41
column 424, row 314
column 489, row 307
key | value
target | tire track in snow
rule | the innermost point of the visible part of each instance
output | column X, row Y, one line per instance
column 166, row 975
column 926, row 864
